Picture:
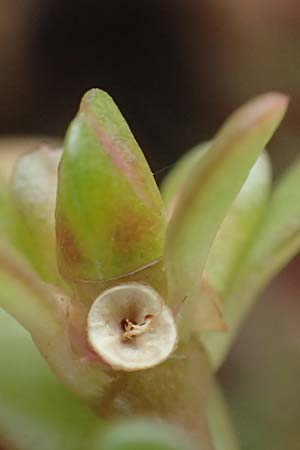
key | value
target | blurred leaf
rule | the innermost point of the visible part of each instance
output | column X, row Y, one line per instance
column 238, row 226
column 143, row 435
column 276, row 242
column 7, row 213
column 224, row 437
column 12, row 147
column 23, row 295
column 34, row 188
column 232, row 237
column 172, row 183
column 109, row 216
column 280, row 232
column 36, row 411
column 210, row 190
column 43, row 312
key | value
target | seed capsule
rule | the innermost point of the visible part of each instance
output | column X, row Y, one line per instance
column 131, row 328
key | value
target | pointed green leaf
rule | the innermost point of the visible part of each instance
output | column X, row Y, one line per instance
column 210, row 190
column 109, row 216
column 34, row 188
column 276, row 242
column 231, row 239
column 240, row 221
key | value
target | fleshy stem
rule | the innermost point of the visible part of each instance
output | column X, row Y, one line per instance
column 175, row 391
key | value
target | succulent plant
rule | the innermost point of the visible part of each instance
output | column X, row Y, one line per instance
column 133, row 296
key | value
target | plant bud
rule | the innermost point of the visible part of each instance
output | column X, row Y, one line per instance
column 109, row 215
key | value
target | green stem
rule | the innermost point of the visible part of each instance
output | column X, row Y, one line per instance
column 175, row 392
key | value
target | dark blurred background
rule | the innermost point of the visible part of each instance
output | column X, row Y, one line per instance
column 176, row 68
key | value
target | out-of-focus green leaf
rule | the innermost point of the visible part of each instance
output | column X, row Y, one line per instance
column 43, row 312
column 109, row 217
column 231, row 239
column 280, row 231
column 143, row 435
column 210, row 190
column 170, row 187
column 36, row 411
column 224, row 437
column 23, row 295
column 7, row 215
column 12, row 147
column 234, row 236
column 275, row 243
column 34, row 188
column 238, row 226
